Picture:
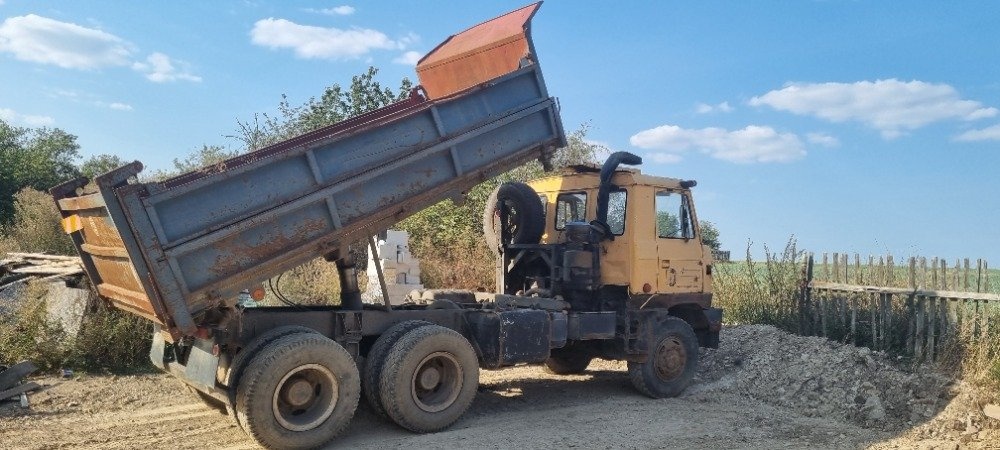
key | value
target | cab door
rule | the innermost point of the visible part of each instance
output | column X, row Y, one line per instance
column 679, row 251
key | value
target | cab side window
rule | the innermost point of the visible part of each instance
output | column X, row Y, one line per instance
column 673, row 216
column 570, row 207
column 616, row 211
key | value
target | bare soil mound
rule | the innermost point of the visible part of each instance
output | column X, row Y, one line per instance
column 820, row 378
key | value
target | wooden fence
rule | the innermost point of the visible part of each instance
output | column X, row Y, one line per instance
column 910, row 309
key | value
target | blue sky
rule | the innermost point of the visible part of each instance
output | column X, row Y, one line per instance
column 856, row 126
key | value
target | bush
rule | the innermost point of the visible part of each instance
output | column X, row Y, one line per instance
column 36, row 226
column 108, row 340
column 27, row 334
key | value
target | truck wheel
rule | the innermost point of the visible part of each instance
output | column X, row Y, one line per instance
column 300, row 391
column 242, row 359
column 375, row 362
column 430, row 378
column 672, row 360
column 567, row 363
column 526, row 217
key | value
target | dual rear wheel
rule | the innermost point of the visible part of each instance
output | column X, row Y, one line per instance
column 295, row 388
column 421, row 376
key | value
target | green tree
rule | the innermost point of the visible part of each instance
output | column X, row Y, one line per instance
column 38, row 158
column 446, row 222
column 336, row 104
column 100, row 164
column 710, row 235
column 206, row 156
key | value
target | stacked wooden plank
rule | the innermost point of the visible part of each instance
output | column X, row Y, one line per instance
column 15, row 267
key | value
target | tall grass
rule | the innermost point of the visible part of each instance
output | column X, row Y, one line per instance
column 761, row 292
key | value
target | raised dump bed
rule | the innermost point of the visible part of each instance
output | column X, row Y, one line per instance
column 172, row 250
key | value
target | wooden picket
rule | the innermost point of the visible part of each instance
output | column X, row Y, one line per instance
column 911, row 310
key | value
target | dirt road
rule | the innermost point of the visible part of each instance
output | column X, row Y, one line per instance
column 730, row 406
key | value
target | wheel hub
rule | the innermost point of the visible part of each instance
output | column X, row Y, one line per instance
column 437, row 382
column 670, row 359
column 430, row 377
column 298, row 392
column 305, row 397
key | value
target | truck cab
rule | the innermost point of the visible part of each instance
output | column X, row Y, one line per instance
column 622, row 249
column 657, row 254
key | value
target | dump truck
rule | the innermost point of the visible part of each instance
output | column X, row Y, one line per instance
column 591, row 262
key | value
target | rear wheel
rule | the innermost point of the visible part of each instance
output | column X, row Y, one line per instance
column 671, row 363
column 430, row 378
column 300, row 391
column 242, row 359
column 375, row 362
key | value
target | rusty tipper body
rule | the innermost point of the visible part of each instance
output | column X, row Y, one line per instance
column 619, row 286
column 171, row 251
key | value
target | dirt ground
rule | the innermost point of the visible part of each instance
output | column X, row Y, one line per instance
column 762, row 389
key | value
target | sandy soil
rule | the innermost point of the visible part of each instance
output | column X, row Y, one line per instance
column 734, row 403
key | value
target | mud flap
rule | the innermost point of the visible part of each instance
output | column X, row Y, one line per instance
column 709, row 337
column 200, row 366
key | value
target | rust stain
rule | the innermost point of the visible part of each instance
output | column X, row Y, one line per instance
column 234, row 256
column 478, row 54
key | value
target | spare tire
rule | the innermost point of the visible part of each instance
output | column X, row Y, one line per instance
column 524, row 213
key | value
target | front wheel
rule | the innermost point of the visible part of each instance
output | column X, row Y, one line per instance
column 672, row 360
column 300, row 391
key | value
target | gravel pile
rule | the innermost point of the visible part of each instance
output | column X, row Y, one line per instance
column 820, row 378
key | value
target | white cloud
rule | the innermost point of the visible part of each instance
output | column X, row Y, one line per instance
column 120, row 106
column 822, row 139
column 317, row 42
column 9, row 115
column 665, row 158
column 749, row 145
column 891, row 106
column 984, row 134
column 705, row 108
column 409, row 58
column 159, row 68
column 343, row 10
column 67, row 45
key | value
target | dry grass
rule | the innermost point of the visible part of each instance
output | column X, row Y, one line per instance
column 972, row 350
column 468, row 265
column 36, row 226
column 313, row 283
column 108, row 339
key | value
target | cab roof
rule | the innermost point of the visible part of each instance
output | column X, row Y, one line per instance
column 580, row 174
